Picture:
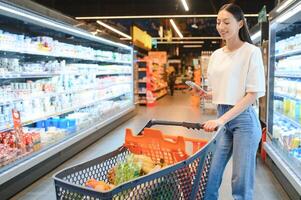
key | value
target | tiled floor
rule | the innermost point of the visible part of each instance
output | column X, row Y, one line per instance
column 178, row 108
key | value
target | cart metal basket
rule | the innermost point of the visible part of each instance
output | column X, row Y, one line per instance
column 183, row 180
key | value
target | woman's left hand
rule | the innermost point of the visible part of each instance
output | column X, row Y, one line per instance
column 211, row 125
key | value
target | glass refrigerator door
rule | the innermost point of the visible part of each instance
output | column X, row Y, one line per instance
column 284, row 118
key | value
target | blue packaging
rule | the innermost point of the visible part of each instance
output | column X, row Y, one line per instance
column 71, row 123
column 48, row 123
column 40, row 124
column 55, row 122
column 63, row 123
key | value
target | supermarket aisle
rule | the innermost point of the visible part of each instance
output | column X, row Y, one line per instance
column 178, row 107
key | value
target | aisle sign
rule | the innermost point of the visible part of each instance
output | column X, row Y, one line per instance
column 262, row 15
column 141, row 38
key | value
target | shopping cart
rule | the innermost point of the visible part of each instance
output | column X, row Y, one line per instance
column 184, row 179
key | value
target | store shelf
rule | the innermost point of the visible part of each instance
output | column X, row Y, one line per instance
column 161, row 88
column 297, row 75
column 141, row 92
column 141, row 70
column 48, row 75
column 50, row 54
column 27, row 75
column 286, row 118
column 58, row 147
column 283, row 165
column 53, row 94
column 288, row 53
column 157, row 98
column 143, row 102
column 287, row 96
column 67, row 110
column 141, row 81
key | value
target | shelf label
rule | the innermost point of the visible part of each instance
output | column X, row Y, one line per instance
column 16, row 119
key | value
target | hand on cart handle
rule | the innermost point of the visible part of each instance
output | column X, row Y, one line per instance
column 212, row 125
column 188, row 125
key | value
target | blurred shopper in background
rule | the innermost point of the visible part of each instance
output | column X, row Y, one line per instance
column 236, row 79
column 171, row 82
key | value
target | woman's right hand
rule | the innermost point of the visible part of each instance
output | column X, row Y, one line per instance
column 205, row 95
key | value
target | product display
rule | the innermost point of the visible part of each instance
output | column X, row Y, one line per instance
column 54, row 92
column 152, row 83
column 207, row 105
column 284, row 103
column 142, row 84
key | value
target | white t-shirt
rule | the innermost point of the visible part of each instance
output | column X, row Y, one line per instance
column 232, row 74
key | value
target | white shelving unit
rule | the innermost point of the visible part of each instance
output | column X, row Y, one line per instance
column 86, row 80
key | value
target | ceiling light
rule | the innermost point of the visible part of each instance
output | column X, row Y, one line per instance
column 176, row 28
column 184, row 38
column 256, row 36
column 97, row 31
column 113, row 29
column 288, row 14
column 192, row 46
column 79, row 24
column 30, row 17
column 194, row 26
column 181, row 42
column 190, row 38
column 185, row 5
column 284, row 5
column 157, row 16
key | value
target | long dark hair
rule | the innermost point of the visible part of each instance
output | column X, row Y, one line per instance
column 238, row 14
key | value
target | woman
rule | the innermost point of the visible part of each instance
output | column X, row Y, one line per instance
column 236, row 79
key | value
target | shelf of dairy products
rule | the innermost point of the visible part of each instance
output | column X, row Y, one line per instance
column 56, row 94
column 284, row 96
column 289, row 67
column 27, row 95
column 47, row 46
column 288, row 47
column 288, row 87
column 48, row 75
column 288, row 135
column 48, row 133
column 44, row 115
column 294, row 123
column 288, row 75
column 13, row 68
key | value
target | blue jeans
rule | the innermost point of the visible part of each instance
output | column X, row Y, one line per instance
column 240, row 139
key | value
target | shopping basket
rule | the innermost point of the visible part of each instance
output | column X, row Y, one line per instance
column 186, row 179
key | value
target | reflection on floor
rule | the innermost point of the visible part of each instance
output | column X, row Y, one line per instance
column 178, row 108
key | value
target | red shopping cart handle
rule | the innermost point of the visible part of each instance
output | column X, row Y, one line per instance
column 188, row 125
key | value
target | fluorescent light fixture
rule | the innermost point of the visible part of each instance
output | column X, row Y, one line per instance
column 47, row 22
column 288, row 14
column 97, row 31
column 156, row 16
column 79, row 24
column 185, row 5
column 256, row 35
column 284, row 5
column 184, row 38
column 192, row 46
column 113, row 29
column 176, row 28
column 181, row 42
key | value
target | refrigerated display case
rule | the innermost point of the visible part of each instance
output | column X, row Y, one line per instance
column 61, row 89
column 259, row 37
column 284, row 95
